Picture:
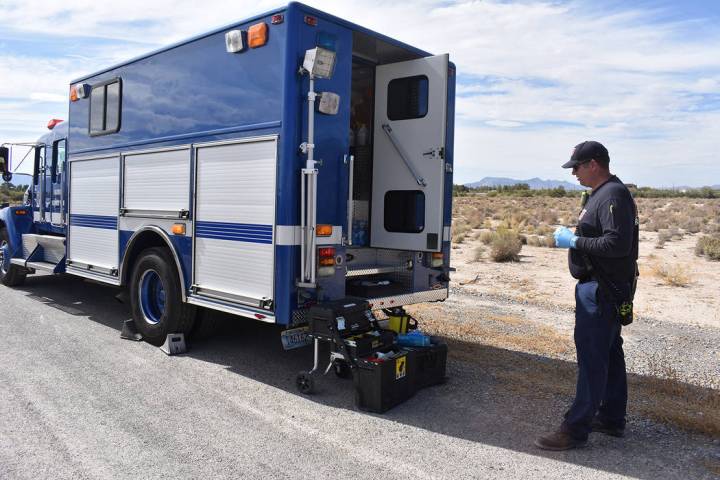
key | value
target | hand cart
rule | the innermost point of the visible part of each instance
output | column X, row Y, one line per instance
column 335, row 322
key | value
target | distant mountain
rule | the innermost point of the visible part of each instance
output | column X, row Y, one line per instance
column 533, row 183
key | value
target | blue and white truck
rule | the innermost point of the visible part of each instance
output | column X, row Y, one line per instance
column 283, row 161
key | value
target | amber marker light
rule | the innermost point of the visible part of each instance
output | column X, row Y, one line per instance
column 20, row 212
column 324, row 230
column 73, row 94
column 257, row 35
column 178, row 229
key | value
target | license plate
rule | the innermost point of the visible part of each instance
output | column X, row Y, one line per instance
column 295, row 338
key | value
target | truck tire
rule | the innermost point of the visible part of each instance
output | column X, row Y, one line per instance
column 207, row 324
column 156, row 299
column 10, row 275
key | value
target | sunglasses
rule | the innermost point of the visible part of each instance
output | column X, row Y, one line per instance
column 575, row 167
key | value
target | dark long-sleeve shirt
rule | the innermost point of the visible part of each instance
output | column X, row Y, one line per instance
column 608, row 234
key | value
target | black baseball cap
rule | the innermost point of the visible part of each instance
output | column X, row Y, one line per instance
column 586, row 151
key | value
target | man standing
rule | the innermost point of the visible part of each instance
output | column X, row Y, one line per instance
column 603, row 258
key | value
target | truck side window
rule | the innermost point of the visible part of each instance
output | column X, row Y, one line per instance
column 58, row 160
column 405, row 211
column 105, row 100
column 407, row 98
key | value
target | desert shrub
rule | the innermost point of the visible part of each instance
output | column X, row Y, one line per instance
column 505, row 246
column 459, row 232
column 477, row 217
column 486, row 237
column 664, row 235
column 708, row 246
column 711, row 228
column 533, row 241
column 544, row 230
column 547, row 241
column 478, row 253
column 549, row 216
column 673, row 275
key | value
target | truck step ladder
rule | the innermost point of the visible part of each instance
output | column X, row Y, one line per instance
column 42, row 252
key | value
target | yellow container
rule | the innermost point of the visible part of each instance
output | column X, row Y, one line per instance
column 398, row 323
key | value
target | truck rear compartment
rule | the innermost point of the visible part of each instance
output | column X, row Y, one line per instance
column 371, row 272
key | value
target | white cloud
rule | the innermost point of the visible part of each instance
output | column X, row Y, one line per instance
column 536, row 77
column 48, row 97
column 503, row 123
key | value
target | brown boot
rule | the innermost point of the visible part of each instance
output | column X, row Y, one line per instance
column 559, row 441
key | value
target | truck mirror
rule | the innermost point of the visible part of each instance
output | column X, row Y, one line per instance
column 5, row 164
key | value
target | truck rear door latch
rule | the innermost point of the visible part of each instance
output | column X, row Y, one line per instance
column 435, row 153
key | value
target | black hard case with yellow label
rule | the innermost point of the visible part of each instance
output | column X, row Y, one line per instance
column 381, row 386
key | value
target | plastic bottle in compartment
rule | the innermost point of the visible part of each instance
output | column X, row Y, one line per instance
column 363, row 136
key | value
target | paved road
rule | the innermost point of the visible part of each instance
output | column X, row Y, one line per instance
column 76, row 401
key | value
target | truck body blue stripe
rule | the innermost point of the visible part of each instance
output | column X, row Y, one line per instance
column 238, row 232
column 94, row 221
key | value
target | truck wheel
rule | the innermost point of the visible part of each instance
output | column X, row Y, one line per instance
column 305, row 383
column 10, row 275
column 207, row 324
column 155, row 297
column 342, row 369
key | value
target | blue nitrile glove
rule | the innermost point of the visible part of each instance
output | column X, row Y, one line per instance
column 564, row 238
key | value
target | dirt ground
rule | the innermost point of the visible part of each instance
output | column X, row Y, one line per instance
column 541, row 277
column 524, row 312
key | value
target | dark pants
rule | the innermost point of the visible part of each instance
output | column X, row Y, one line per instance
column 602, row 381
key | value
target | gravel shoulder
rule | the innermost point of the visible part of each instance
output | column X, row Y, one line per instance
column 78, row 402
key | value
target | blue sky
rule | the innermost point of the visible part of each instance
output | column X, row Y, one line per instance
column 534, row 78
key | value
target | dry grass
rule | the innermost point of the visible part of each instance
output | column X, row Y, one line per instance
column 521, row 361
column 712, row 465
column 665, row 397
column 540, row 215
column 673, row 275
column 526, row 336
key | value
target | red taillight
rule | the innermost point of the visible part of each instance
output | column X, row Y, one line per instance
column 326, row 261
column 312, row 21
column 276, row 19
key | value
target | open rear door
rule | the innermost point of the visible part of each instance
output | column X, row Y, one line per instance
column 409, row 154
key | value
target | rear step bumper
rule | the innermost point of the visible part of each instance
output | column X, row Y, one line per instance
column 408, row 299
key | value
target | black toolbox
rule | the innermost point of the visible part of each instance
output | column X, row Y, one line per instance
column 382, row 384
column 428, row 364
column 365, row 344
column 348, row 316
